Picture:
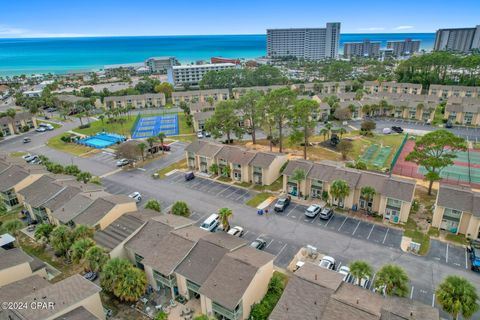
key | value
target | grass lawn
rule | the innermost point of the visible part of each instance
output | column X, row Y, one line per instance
column 182, row 124
column 115, row 127
column 224, row 179
column 182, row 164
column 433, row 232
column 18, row 154
column 458, row 238
column 362, row 143
column 411, row 231
column 188, row 138
column 72, row 148
column 438, row 116
column 259, row 198
column 277, row 185
column 9, row 216
column 243, row 184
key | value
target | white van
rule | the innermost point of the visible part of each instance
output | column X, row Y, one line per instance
column 211, row 223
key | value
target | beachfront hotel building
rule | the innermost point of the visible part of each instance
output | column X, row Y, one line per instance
column 361, row 49
column 160, row 64
column 458, row 39
column 192, row 74
column 403, row 47
column 304, row 43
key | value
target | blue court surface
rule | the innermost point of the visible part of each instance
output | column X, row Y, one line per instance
column 150, row 126
column 102, row 140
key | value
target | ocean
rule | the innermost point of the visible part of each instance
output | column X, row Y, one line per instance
column 64, row 55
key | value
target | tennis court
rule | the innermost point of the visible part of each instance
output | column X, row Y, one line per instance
column 382, row 156
column 150, row 126
column 367, row 156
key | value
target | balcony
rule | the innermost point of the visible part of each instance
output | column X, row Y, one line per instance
column 169, row 281
column 193, row 286
column 229, row 314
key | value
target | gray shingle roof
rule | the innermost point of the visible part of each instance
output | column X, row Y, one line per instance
column 18, row 289
column 225, row 240
column 203, row 115
column 74, row 207
column 201, row 261
column 399, row 188
column 40, row 191
column 117, row 231
column 64, row 294
column 79, row 313
column 195, row 146
column 459, row 198
column 235, row 155
column 174, row 221
column 148, row 238
column 13, row 257
column 95, row 212
column 209, row 150
column 61, row 198
column 12, row 176
column 264, row 159
column 294, row 164
column 401, row 308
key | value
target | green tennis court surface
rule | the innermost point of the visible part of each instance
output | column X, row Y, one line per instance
column 382, row 156
column 368, row 154
column 456, row 173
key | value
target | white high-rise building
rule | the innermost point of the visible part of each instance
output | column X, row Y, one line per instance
column 192, row 74
column 458, row 40
column 304, row 43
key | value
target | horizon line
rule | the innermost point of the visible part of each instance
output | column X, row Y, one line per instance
column 185, row 35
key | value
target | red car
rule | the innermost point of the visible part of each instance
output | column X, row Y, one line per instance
column 164, row 147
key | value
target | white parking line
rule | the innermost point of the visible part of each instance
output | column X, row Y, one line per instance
column 342, row 224
column 234, row 190
column 338, row 266
column 201, row 218
column 245, row 233
column 446, row 255
column 411, row 293
column 373, row 226
column 466, row 260
column 356, row 228
column 433, row 300
column 268, row 245
column 292, row 210
column 371, row 282
column 281, row 250
column 328, row 221
column 386, row 233
column 223, row 190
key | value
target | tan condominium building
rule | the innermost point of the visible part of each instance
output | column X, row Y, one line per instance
column 71, row 298
column 365, row 49
column 211, row 96
column 457, row 210
column 218, row 271
column 237, row 163
column 392, row 200
column 404, row 47
column 9, row 126
column 315, row 293
column 192, row 74
column 464, row 111
column 442, row 91
column 149, row 100
column 392, row 87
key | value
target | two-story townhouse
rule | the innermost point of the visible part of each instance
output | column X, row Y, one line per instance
column 457, row 210
column 200, row 96
column 392, row 87
column 9, row 126
column 148, row 100
column 233, row 162
column 265, row 167
column 447, row 91
column 464, row 110
column 393, row 196
column 16, row 265
column 201, row 155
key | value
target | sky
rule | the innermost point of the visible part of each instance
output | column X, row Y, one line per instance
column 80, row 18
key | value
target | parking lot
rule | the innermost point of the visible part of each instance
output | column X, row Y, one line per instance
column 212, row 187
column 455, row 256
column 353, row 227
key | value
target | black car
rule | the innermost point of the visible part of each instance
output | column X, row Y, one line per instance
column 282, row 203
column 397, row 129
column 259, row 244
column 449, row 124
column 189, row 176
column 90, row 276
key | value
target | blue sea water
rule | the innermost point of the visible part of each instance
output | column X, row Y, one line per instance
column 63, row 55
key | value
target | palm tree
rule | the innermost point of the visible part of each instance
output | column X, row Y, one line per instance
column 225, row 214
column 61, row 238
column 328, row 126
column 43, row 230
column 393, row 280
column 161, row 137
column 132, row 285
column 82, row 232
column 360, row 269
column 151, row 141
column 324, row 133
column 79, row 249
column 113, row 272
column 457, row 296
column 141, row 147
column 368, row 193
column 101, row 117
column 95, row 258
column 12, row 226
column 298, row 175
column 339, row 190
column 341, row 131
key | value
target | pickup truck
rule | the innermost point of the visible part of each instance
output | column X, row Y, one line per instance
column 474, row 250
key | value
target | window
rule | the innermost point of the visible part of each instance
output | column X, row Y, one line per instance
column 138, row 261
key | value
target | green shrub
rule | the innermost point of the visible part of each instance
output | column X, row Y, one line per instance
column 263, row 309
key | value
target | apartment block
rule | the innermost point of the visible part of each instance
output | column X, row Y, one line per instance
column 392, row 87
column 364, row 49
column 457, row 210
column 9, row 126
column 457, row 39
column 443, row 91
column 160, row 64
column 315, row 293
column 464, row 111
column 149, row 100
column 404, row 47
column 218, row 271
column 191, row 75
column 243, row 165
column 304, row 43
column 200, row 96
column 393, row 198
column 71, row 298
column 16, row 265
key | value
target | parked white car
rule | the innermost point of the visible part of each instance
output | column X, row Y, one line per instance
column 327, row 262
column 200, row 134
column 236, row 231
column 346, row 273
column 136, row 196
column 313, row 210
